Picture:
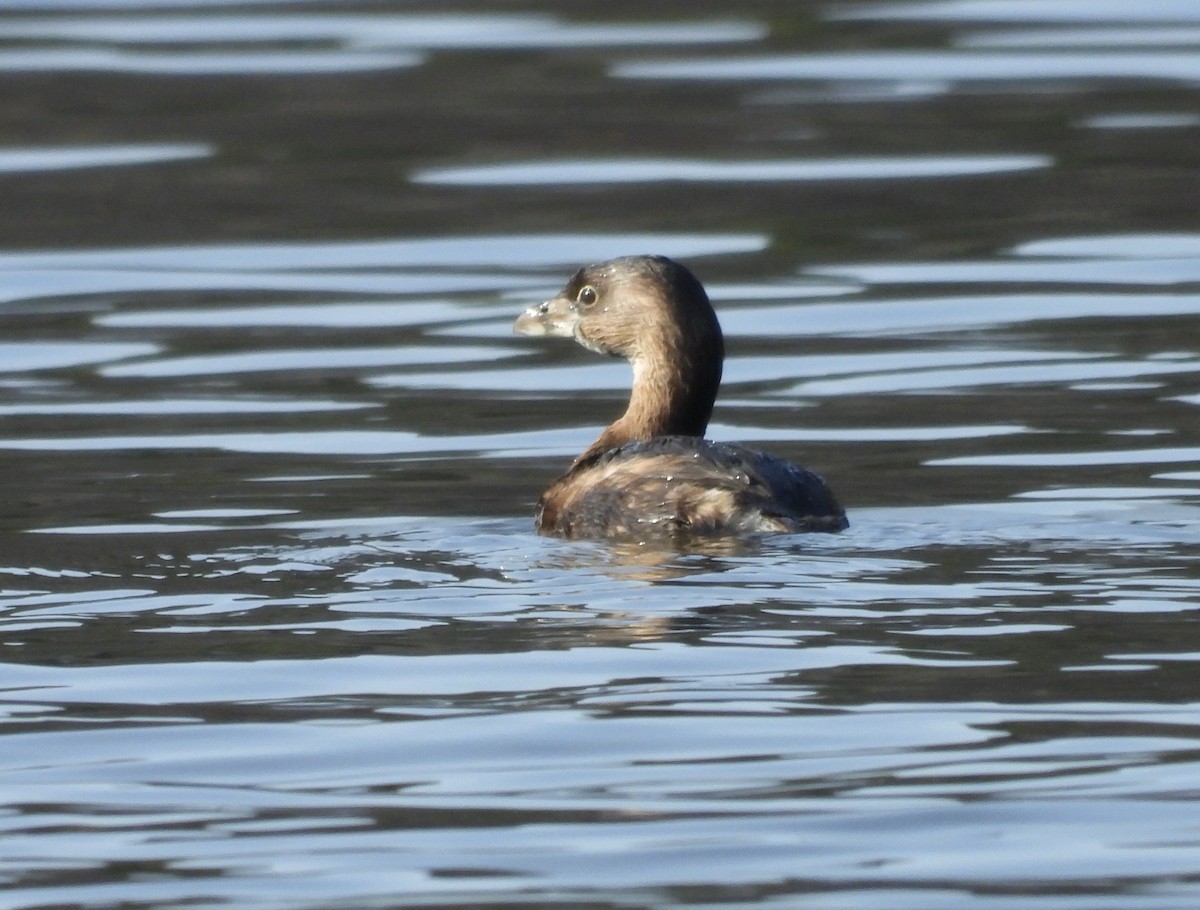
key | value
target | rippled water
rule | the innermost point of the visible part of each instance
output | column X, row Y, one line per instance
column 277, row 631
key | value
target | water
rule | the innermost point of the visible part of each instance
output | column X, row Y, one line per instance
column 276, row 631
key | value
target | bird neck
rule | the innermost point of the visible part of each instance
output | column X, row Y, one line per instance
column 674, row 387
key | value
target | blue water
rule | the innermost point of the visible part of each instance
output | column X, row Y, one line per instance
column 276, row 630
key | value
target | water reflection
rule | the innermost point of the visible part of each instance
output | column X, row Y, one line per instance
column 1123, row 246
column 314, row 43
column 1127, row 36
column 26, row 357
column 377, row 30
column 311, row 314
column 158, row 407
column 1041, row 11
column 683, row 170
column 927, row 380
column 1156, row 455
column 932, row 68
column 275, row 626
column 504, row 251
column 959, row 312
column 22, row 160
column 308, row 359
column 1142, row 121
column 225, row 63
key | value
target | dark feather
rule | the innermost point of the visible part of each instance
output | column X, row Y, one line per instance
column 687, row 485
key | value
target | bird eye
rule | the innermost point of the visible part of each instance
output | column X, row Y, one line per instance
column 587, row 295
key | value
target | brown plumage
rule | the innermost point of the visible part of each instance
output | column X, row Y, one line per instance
column 651, row 472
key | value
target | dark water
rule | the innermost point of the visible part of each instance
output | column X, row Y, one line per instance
column 276, row 632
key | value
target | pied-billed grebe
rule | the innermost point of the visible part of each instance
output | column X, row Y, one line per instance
column 651, row 472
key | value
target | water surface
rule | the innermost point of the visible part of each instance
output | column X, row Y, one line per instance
column 276, row 629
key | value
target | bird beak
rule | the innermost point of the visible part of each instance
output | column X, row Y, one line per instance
column 555, row 317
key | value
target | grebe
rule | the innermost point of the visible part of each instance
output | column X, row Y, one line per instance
column 651, row 472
